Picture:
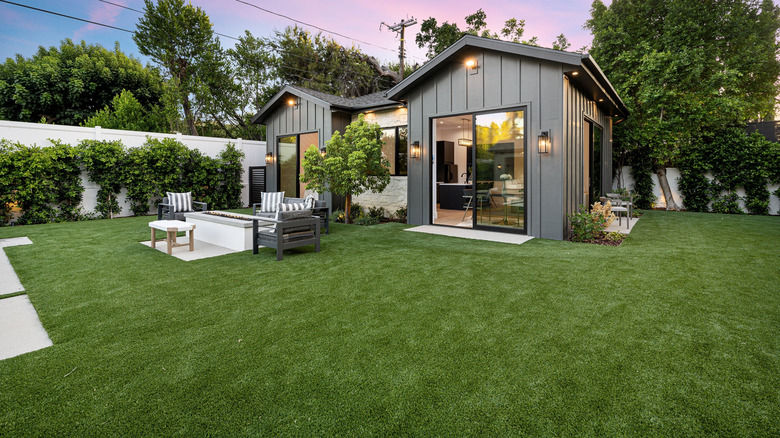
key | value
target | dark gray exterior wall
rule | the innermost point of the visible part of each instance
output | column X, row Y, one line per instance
column 578, row 108
column 286, row 120
column 505, row 81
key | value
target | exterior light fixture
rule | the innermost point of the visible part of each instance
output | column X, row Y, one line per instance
column 464, row 141
column 269, row 158
column 601, row 100
column 472, row 65
column 544, row 142
column 294, row 102
column 322, row 152
column 414, row 151
column 575, row 73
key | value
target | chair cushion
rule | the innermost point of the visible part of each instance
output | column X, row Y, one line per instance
column 269, row 201
column 292, row 214
column 180, row 201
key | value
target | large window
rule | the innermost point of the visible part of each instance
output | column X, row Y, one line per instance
column 394, row 148
column 291, row 150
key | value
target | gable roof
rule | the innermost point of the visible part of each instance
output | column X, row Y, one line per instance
column 329, row 101
column 589, row 76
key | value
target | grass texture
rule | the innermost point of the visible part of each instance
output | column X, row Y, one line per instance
column 392, row 333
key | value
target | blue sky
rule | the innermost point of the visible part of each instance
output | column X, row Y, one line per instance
column 23, row 30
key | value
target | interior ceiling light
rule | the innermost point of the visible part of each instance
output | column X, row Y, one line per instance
column 464, row 141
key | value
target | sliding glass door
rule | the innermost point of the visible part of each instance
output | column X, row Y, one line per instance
column 290, row 153
column 500, row 169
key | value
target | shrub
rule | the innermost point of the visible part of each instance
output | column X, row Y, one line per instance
column 728, row 204
column 378, row 213
column 604, row 211
column 400, row 214
column 586, row 225
column 366, row 220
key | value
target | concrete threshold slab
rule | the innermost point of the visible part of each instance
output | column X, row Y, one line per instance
column 15, row 241
column 202, row 250
column 20, row 329
column 621, row 227
column 463, row 233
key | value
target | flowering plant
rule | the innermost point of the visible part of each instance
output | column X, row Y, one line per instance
column 506, row 176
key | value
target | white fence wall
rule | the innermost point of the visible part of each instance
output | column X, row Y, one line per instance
column 673, row 176
column 39, row 134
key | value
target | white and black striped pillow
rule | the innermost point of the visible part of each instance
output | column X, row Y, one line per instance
column 269, row 201
column 180, row 201
column 292, row 206
column 309, row 201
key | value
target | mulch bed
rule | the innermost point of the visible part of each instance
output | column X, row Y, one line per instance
column 604, row 241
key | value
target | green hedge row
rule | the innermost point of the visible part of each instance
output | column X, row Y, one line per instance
column 45, row 182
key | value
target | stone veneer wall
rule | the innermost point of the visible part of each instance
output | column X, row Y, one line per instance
column 395, row 194
column 391, row 199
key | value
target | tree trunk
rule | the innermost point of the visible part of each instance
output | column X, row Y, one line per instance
column 188, row 116
column 664, row 183
column 383, row 71
column 347, row 207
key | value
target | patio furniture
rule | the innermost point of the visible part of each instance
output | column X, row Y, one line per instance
column 320, row 210
column 171, row 227
column 292, row 230
column 617, row 209
column 167, row 209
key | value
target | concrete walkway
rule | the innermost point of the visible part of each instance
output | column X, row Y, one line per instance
column 465, row 233
column 20, row 329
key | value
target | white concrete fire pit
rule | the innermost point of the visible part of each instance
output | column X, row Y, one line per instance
column 225, row 229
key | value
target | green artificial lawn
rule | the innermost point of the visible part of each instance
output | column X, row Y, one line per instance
column 388, row 333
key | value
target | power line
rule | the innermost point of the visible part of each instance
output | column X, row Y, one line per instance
column 67, row 16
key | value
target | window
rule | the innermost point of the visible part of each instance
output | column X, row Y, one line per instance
column 395, row 149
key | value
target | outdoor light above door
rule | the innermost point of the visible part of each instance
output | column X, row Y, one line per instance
column 294, row 102
column 269, row 158
column 544, row 142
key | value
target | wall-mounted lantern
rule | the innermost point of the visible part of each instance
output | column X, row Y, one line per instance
column 322, row 152
column 294, row 102
column 472, row 65
column 544, row 142
column 414, row 151
column 269, row 158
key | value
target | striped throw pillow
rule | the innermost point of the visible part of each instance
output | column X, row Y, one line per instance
column 180, row 201
column 269, row 201
column 309, row 201
column 292, row 207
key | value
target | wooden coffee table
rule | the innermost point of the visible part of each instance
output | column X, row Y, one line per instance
column 171, row 228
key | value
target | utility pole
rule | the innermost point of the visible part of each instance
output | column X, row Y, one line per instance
column 400, row 28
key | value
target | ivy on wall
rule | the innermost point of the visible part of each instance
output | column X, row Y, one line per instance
column 45, row 183
column 734, row 159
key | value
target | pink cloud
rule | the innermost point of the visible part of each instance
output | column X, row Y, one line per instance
column 101, row 13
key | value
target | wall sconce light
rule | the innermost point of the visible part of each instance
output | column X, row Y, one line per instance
column 414, row 152
column 544, row 142
column 269, row 158
column 322, row 152
column 472, row 65
column 294, row 102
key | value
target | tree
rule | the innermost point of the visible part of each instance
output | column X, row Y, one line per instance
column 353, row 163
column 181, row 40
column 683, row 79
column 438, row 38
column 69, row 83
column 126, row 112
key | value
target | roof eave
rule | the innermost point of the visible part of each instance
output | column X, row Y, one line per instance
column 275, row 102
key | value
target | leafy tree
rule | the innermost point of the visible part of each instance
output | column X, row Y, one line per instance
column 127, row 113
column 353, row 163
column 69, row 83
column 438, row 38
column 683, row 78
column 181, row 40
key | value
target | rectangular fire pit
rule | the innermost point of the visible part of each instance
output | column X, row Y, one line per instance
column 225, row 229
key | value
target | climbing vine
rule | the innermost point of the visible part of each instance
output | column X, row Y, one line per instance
column 103, row 161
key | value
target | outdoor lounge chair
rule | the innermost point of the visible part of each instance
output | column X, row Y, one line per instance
column 166, row 209
column 320, row 209
column 294, row 229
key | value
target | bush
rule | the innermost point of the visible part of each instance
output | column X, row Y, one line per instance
column 355, row 211
column 401, row 214
column 728, row 204
column 366, row 220
column 586, row 225
column 379, row 213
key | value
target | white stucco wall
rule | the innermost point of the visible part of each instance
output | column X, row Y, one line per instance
column 39, row 134
column 673, row 176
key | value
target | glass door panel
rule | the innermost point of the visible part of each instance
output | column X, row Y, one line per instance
column 500, row 169
column 306, row 141
column 288, row 165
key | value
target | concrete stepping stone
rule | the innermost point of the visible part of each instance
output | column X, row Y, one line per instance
column 20, row 329
column 9, row 282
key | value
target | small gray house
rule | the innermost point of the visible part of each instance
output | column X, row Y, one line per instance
column 487, row 135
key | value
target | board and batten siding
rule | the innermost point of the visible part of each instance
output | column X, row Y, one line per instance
column 503, row 82
column 578, row 108
column 286, row 120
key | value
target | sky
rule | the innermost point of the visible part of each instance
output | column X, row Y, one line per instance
column 23, row 30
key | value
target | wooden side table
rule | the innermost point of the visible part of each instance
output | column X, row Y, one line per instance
column 171, row 228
